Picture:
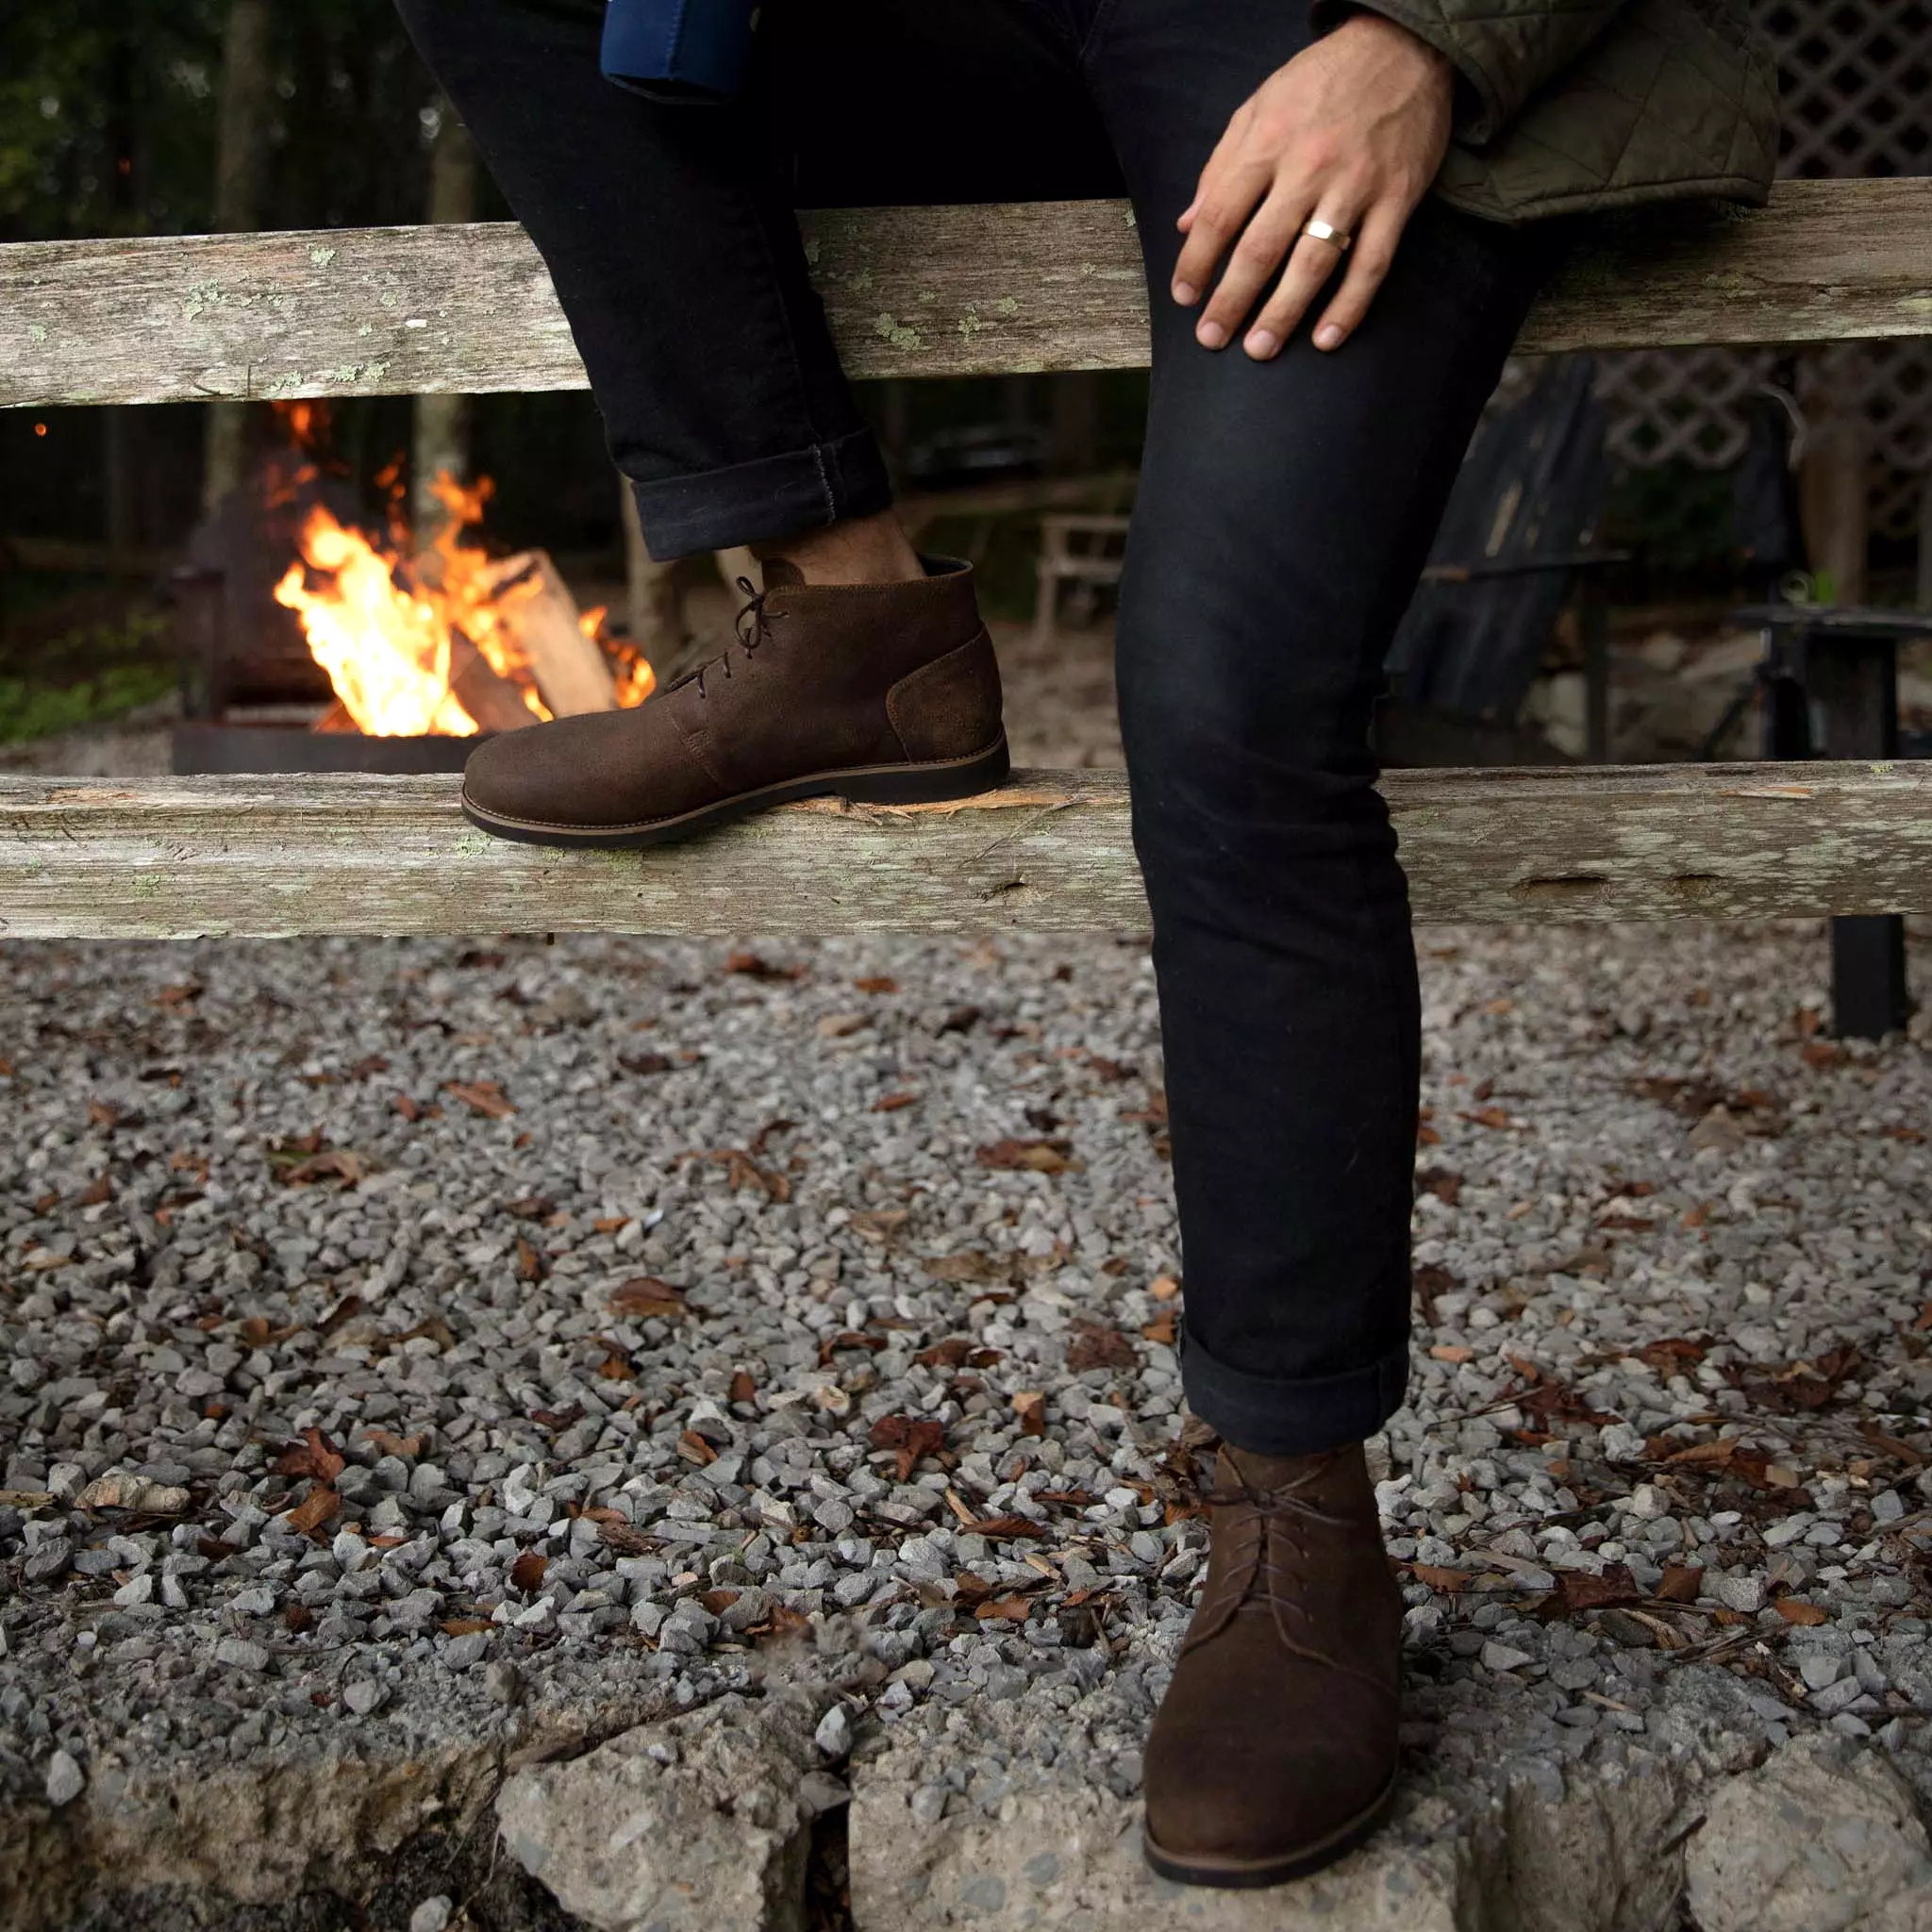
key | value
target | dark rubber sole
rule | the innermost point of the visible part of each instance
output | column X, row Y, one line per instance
column 934, row 783
column 1251, row 1875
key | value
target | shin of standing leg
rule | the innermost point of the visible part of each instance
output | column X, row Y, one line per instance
column 1284, row 514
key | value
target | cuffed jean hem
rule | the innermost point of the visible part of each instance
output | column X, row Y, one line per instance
column 766, row 501
column 1269, row 1416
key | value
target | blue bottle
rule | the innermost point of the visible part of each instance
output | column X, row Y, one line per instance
column 684, row 50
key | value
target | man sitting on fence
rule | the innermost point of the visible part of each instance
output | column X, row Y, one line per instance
column 1341, row 219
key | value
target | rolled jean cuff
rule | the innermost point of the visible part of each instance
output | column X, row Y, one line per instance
column 766, row 501
column 1282, row 1416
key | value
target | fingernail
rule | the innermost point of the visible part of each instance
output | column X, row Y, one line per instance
column 1329, row 336
column 1211, row 335
column 1261, row 344
column 1186, row 293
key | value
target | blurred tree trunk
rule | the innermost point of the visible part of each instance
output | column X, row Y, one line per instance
column 442, row 421
column 241, row 159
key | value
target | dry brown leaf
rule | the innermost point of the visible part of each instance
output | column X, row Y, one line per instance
column 1007, row 1610
column 1164, row 1328
column 1030, row 1405
column 618, row 1535
column 644, row 1296
column 1030, row 1157
column 466, row 1626
column 755, row 968
column 314, row 1455
column 743, row 1388
column 1579, row 1591
column 877, row 983
column 892, row 1103
column 317, row 1507
column 878, row 1224
column 974, row 1266
column 482, row 1096
column 530, row 1265
column 408, row 1447
column 1164, row 1288
column 693, row 1448
column 1681, row 1583
column 526, row 1572
column 1096, row 1345
column 1496, row 1117
column 333, row 1164
column 1452, row 1351
column 1794, row 1610
column 1437, row 1578
column 909, row 1437
column 1006, row 1528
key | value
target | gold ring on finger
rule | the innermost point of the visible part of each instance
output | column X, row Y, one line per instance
column 1325, row 231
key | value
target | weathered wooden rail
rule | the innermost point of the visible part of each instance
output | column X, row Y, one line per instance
column 181, row 857
column 910, row 292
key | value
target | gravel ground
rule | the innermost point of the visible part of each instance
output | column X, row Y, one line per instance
column 425, row 1359
column 407, row 1326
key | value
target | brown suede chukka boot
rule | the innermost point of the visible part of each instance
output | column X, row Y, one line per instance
column 885, row 693
column 1274, row 1750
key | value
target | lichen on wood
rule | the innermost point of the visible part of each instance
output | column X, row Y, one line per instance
column 276, row 856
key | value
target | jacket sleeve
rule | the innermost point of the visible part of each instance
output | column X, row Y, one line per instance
column 1503, row 50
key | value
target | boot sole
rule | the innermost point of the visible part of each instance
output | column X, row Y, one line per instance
column 1249, row 1874
column 937, row 782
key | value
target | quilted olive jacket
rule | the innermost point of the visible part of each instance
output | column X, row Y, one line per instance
column 1565, row 106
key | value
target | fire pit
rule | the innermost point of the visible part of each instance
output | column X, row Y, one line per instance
column 367, row 655
column 201, row 749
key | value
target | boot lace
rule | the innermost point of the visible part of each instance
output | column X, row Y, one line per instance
column 753, row 626
column 1281, row 1518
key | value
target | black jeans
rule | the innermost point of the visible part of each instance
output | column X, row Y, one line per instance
column 1283, row 513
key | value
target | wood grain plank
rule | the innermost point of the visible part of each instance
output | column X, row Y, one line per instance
column 276, row 856
column 910, row 292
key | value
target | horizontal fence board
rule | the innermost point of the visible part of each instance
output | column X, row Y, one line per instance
column 911, row 292
column 276, row 856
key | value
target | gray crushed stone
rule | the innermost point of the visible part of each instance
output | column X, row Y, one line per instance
column 660, row 1319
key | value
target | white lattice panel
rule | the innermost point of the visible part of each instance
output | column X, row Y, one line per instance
column 1855, row 87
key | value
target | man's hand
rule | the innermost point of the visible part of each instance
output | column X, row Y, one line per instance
column 1350, row 132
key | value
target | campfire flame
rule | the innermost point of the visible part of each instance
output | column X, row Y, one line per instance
column 392, row 630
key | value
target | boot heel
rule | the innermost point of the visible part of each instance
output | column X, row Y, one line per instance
column 930, row 784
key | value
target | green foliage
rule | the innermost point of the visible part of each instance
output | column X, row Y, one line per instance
column 109, row 111
column 104, row 670
column 107, row 116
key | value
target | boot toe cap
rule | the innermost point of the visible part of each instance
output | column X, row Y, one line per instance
column 1244, row 1792
column 601, row 769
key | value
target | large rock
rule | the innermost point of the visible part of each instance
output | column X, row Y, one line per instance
column 1044, row 1836
column 697, row 1824
column 1821, row 1838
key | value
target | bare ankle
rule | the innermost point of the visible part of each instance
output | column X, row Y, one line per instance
column 859, row 550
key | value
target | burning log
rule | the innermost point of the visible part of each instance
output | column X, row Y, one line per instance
column 538, row 618
column 492, row 701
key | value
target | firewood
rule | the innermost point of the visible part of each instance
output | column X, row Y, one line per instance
column 495, row 702
column 540, row 616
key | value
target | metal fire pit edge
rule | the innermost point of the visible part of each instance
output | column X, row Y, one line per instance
column 207, row 750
